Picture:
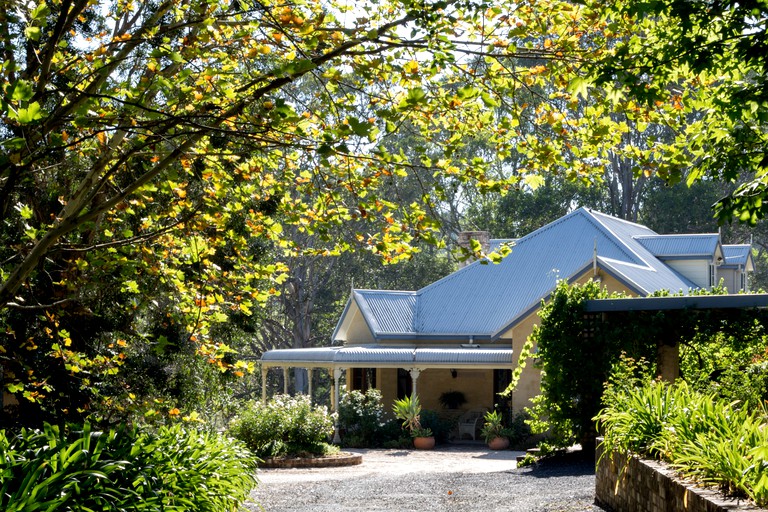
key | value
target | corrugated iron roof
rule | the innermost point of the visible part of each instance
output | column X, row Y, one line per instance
column 388, row 311
column 682, row 246
column 484, row 299
column 737, row 254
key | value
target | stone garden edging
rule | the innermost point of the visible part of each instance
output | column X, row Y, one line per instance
column 332, row 461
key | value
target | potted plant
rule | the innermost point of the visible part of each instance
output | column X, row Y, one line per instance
column 408, row 410
column 494, row 432
column 452, row 399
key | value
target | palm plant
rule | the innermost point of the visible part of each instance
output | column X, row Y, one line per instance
column 408, row 409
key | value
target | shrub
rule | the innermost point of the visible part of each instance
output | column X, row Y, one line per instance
column 360, row 417
column 361, row 421
column 123, row 469
column 518, row 430
column 440, row 427
column 574, row 369
column 284, row 425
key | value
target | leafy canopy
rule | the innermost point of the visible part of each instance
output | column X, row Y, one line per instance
column 153, row 155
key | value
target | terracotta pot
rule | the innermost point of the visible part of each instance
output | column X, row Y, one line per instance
column 498, row 443
column 423, row 443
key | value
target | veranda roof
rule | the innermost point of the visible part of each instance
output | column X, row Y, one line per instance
column 377, row 356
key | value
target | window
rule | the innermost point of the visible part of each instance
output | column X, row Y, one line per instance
column 712, row 276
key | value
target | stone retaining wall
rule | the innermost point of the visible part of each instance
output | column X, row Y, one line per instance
column 650, row 486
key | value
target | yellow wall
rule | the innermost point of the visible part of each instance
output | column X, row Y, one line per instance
column 477, row 386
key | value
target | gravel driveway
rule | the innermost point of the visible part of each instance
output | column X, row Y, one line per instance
column 460, row 478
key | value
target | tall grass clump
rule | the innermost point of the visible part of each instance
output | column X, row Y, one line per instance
column 124, row 469
column 285, row 425
column 705, row 438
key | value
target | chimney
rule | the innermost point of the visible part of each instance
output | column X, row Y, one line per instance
column 481, row 236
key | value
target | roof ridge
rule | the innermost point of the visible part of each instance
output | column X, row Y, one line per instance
column 371, row 290
column 619, row 219
column 659, row 235
column 623, row 246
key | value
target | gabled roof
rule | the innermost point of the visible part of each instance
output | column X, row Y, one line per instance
column 387, row 311
column 667, row 247
column 483, row 300
column 738, row 255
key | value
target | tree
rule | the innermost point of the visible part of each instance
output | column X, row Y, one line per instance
column 708, row 60
column 154, row 155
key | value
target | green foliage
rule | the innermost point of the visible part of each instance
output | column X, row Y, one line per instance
column 707, row 61
column 439, row 426
column 284, row 425
column 705, row 438
column 408, row 410
column 573, row 365
column 361, row 420
column 492, row 426
column 576, row 356
column 515, row 428
column 733, row 365
column 528, row 460
column 174, row 469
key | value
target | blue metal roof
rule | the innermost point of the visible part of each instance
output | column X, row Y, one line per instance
column 484, row 299
column 681, row 246
column 387, row 311
column 737, row 254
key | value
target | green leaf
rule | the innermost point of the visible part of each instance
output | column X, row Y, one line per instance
column 33, row 33
column 30, row 114
column 26, row 212
column 488, row 100
column 40, row 12
column 467, row 92
column 416, row 96
column 359, row 128
column 14, row 144
column 22, row 91
column 14, row 388
column 579, row 86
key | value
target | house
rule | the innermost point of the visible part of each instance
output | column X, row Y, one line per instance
column 462, row 333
